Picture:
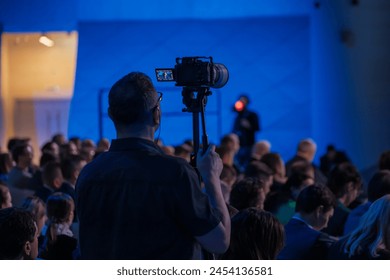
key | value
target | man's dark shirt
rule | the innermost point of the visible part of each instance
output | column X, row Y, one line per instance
column 135, row 202
column 67, row 188
column 304, row 242
column 44, row 192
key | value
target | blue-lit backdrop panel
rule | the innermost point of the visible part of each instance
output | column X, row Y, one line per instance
column 268, row 58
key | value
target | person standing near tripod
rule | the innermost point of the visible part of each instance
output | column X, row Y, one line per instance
column 246, row 124
column 135, row 202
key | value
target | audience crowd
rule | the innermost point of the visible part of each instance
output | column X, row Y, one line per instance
column 278, row 210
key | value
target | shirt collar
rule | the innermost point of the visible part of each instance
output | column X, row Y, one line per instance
column 123, row 144
column 299, row 218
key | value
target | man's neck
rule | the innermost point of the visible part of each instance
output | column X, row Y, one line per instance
column 306, row 218
column 344, row 200
column 142, row 132
column 71, row 182
column 23, row 167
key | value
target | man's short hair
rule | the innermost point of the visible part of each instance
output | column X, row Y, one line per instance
column 129, row 99
column 17, row 226
column 47, row 157
column 272, row 160
column 313, row 196
column 258, row 169
column 306, row 146
column 50, row 172
column 246, row 193
column 340, row 176
column 70, row 165
column 19, row 150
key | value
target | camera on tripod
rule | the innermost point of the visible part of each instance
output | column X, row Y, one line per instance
column 197, row 71
column 196, row 75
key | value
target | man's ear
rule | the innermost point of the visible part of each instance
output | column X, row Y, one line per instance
column 350, row 186
column 27, row 248
column 157, row 116
column 319, row 211
column 57, row 182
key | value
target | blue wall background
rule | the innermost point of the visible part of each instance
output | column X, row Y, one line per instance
column 268, row 58
column 344, row 101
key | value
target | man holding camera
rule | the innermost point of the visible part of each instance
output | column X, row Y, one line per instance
column 135, row 202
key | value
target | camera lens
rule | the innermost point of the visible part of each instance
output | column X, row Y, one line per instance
column 221, row 75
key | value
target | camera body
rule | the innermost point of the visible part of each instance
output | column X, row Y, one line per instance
column 195, row 72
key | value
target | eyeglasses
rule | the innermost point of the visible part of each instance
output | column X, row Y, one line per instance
column 160, row 98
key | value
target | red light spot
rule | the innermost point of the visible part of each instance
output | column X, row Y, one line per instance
column 239, row 106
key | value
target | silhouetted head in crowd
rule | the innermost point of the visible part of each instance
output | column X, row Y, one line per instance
column 260, row 149
column 275, row 162
column 71, row 167
column 303, row 167
column 5, row 197
column 168, row 150
column 18, row 235
column 76, row 141
column 228, row 178
column 345, row 182
column 88, row 149
column 60, row 212
column 231, row 142
column 331, row 151
column 47, row 157
column 315, row 204
column 134, row 106
column 183, row 151
column 23, row 155
column 373, row 232
column 228, row 174
column 262, row 172
column 69, row 149
column 226, row 154
column 249, row 192
column 59, row 242
column 103, row 145
column 88, row 144
column 52, row 175
column 37, row 208
column 13, row 142
column 59, row 138
column 379, row 185
column 307, row 149
column 60, row 208
column 51, row 147
column 255, row 235
column 302, row 175
column 6, row 163
column 384, row 160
